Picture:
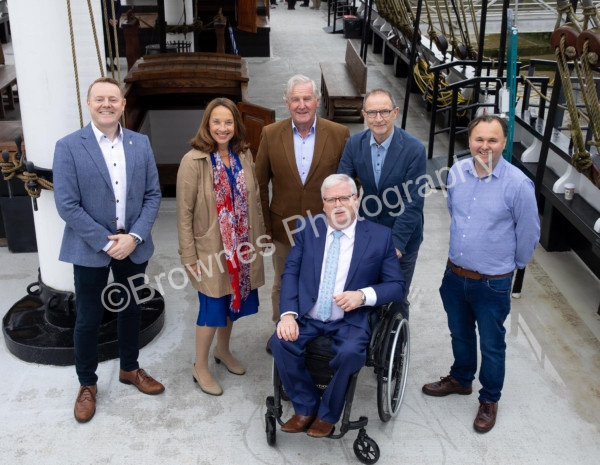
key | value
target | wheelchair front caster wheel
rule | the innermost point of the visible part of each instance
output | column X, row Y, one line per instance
column 366, row 449
column 271, row 429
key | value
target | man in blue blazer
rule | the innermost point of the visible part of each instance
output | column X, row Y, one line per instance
column 106, row 190
column 390, row 165
column 337, row 269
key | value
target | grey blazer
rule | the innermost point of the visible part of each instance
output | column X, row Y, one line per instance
column 86, row 202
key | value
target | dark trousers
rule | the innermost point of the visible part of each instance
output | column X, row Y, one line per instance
column 407, row 264
column 93, row 295
column 291, row 4
column 348, row 343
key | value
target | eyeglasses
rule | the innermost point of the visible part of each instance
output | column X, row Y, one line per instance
column 373, row 113
column 343, row 200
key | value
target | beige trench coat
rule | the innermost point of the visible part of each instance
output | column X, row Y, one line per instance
column 199, row 234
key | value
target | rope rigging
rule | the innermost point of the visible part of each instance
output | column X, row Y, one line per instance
column 579, row 45
column 18, row 169
column 108, row 30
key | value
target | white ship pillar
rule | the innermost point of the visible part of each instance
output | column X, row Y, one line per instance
column 52, row 95
column 48, row 101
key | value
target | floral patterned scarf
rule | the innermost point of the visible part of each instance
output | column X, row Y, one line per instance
column 232, row 212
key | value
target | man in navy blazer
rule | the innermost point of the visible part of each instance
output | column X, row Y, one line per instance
column 366, row 273
column 391, row 167
column 106, row 190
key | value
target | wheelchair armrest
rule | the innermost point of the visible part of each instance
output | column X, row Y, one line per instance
column 377, row 315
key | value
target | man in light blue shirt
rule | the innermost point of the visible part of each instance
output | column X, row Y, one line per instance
column 494, row 229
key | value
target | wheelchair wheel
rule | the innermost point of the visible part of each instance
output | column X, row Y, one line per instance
column 365, row 448
column 391, row 379
column 270, row 422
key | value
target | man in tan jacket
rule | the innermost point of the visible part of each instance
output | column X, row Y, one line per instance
column 295, row 155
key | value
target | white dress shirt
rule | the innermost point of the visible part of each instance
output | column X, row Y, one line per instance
column 346, row 249
column 114, row 156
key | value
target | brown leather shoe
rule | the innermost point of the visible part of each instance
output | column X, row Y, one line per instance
column 446, row 385
column 320, row 428
column 486, row 416
column 298, row 423
column 141, row 380
column 85, row 405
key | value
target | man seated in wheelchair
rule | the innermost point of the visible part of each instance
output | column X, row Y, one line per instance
column 338, row 268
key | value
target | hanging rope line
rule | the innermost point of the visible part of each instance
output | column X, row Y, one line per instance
column 74, row 54
column 111, row 29
column 89, row 2
column 116, row 40
column 590, row 95
column 581, row 158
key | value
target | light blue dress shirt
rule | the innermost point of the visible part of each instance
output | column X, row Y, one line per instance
column 495, row 225
column 378, row 154
column 304, row 149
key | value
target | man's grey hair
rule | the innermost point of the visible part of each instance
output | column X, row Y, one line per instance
column 334, row 179
column 379, row 91
column 300, row 79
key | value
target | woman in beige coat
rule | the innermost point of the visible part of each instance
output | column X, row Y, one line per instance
column 221, row 228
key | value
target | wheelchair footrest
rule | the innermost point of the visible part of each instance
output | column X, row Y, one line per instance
column 360, row 423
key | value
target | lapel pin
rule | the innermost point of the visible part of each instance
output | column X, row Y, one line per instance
column 130, row 142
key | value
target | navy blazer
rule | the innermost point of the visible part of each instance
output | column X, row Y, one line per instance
column 85, row 199
column 398, row 200
column 373, row 264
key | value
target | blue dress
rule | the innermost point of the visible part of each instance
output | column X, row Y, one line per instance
column 215, row 310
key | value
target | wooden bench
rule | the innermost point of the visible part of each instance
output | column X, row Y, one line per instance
column 8, row 79
column 343, row 86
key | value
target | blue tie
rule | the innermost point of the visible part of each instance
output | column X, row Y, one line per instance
column 331, row 264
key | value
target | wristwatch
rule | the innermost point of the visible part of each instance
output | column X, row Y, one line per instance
column 363, row 299
column 136, row 239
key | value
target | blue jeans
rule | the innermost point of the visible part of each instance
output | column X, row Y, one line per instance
column 90, row 303
column 407, row 264
column 485, row 303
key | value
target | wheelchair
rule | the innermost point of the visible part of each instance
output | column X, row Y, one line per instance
column 388, row 353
